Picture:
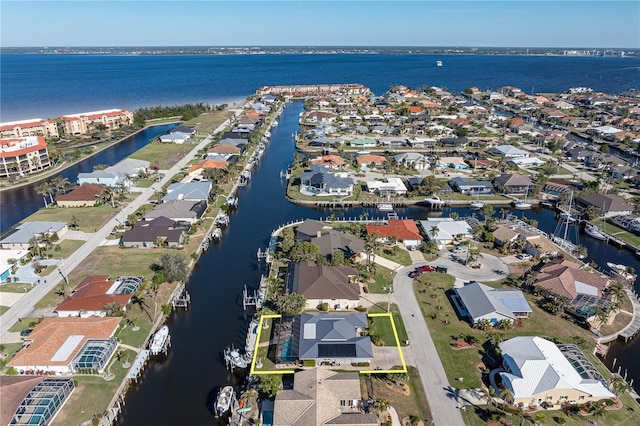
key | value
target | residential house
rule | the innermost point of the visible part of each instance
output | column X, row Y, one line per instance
column 566, row 279
column 6, row 267
column 189, row 191
column 600, row 160
column 608, row 204
column 457, row 142
column 628, row 222
column 94, row 293
column 368, row 160
column 130, row 167
column 198, row 169
column 390, row 186
column 526, row 161
column 513, row 183
column 68, row 346
column 556, row 186
column 413, row 160
column 508, row 151
column 471, row 187
column 392, row 141
column 329, row 240
column 80, row 195
column 224, row 149
column 158, row 231
column 538, row 371
column 322, row 397
column 319, row 181
column 402, row 230
column 446, row 231
column 363, row 142
column 190, row 130
column 330, row 161
column 337, row 286
column 622, row 172
column 333, row 338
column 104, row 177
column 188, row 211
column 538, row 245
column 478, row 302
column 19, row 238
column 422, row 143
column 33, row 400
column 22, row 156
column 175, row 137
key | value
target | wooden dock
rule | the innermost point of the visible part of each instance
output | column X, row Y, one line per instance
column 632, row 329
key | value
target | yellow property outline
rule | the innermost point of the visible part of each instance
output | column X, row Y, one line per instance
column 274, row 316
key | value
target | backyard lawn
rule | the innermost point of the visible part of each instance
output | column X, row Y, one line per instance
column 88, row 218
column 382, row 326
column 67, row 247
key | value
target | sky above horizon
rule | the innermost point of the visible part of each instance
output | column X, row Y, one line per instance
column 481, row 23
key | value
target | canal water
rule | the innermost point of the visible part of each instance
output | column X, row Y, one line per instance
column 18, row 203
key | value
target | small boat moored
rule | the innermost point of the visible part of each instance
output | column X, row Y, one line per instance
column 384, row 207
column 160, row 341
column 477, row 205
column 621, row 271
column 224, row 401
column 521, row 205
column 594, row 232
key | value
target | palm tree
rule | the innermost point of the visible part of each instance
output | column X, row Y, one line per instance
column 506, row 394
column 73, row 222
column 434, row 231
column 43, row 190
column 619, row 386
column 580, row 252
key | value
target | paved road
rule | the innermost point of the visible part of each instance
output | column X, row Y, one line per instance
column 23, row 308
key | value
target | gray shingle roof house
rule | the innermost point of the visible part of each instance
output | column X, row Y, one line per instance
column 328, row 239
column 321, row 397
column 191, row 191
column 319, row 181
column 179, row 210
column 609, row 204
column 20, row 236
column 147, row 234
column 467, row 186
column 513, row 184
column 479, row 301
column 129, row 166
column 333, row 337
column 325, row 284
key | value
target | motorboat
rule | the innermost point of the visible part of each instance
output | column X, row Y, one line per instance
column 234, row 359
column 433, row 200
column 385, row 207
column 621, row 271
column 477, row 205
column 594, row 232
column 438, row 63
column 216, row 234
column 158, row 343
column 224, row 401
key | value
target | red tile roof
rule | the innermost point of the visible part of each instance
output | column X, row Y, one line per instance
column 84, row 192
column 208, row 164
column 90, row 295
column 371, row 159
column 8, row 143
column 400, row 229
column 328, row 159
column 49, row 336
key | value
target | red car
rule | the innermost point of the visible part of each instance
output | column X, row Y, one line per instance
column 425, row 268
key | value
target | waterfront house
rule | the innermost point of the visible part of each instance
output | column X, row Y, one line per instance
column 391, row 186
column 130, row 167
column 67, row 346
column 446, row 231
column 628, row 222
column 22, row 156
column 319, row 181
column 104, row 177
column 189, row 191
column 19, row 238
column 556, row 186
column 329, row 240
column 478, row 302
column 80, row 195
column 322, row 397
column 608, row 204
column 175, row 137
column 224, row 149
column 513, row 183
column 471, row 187
column 87, row 122
column 363, row 142
column 452, row 142
column 32, row 400
column 331, row 161
column 402, row 230
column 422, row 143
column 333, row 338
column 94, row 292
column 235, row 142
column 30, row 127
column 337, row 286
column 186, row 211
column 508, row 151
column 600, row 160
column 158, row 230
column 198, row 169
column 526, row 161
column 565, row 278
column 538, row 371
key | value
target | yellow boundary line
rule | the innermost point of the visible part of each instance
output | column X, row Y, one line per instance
column 280, row 372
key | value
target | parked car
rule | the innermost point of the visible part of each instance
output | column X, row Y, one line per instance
column 426, row 268
column 26, row 332
column 459, row 249
column 524, row 256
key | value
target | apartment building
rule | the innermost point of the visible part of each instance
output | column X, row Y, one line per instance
column 87, row 122
column 31, row 127
column 21, row 156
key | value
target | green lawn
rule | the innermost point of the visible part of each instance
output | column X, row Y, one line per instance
column 396, row 254
column 162, row 155
column 382, row 326
column 89, row 218
column 93, row 394
column 144, row 183
column 414, row 405
column 67, row 247
column 209, row 121
column 618, row 232
column 433, row 293
column 4, row 309
column 16, row 287
column 24, row 324
column 383, row 280
column 135, row 338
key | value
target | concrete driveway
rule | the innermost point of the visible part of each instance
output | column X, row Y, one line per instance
column 492, row 268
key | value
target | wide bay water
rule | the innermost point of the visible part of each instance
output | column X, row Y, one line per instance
column 180, row 388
